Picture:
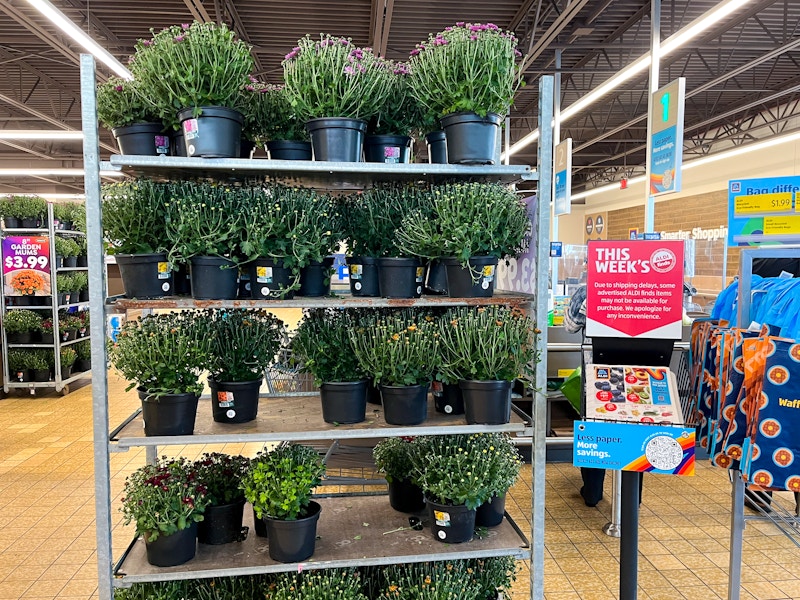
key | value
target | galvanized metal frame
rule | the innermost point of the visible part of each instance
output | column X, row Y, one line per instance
column 247, row 169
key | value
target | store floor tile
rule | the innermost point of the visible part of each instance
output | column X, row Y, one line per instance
column 48, row 547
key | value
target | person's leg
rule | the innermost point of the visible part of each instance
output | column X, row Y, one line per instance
column 592, row 490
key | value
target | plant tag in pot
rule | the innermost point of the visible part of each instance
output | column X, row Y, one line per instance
column 355, row 271
column 162, row 144
column 420, row 274
column 225, row 399
column 264, row 274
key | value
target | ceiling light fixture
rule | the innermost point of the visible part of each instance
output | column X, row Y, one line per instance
column 39, row 134
column 54, row 173
column 76, row 33
column 675, row 41
column 699, row 162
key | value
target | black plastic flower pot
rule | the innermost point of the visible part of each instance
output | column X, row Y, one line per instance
column 293, row 541
column 405, row 404
column 337, row 139
column 29, row 223
column 259, row 525
column 475, row 281
column 315, row 279
column 142, row 139
column 373, row 393
column 59, row 261
column 11, row 222
column 182, row 279
column 289, row 150
column 452, row 524
column 406, row 496
column 214, row 278
column 171, row 414
column 47, row 338
column 178, row 144
column 400, row 277
column 344, row 401
column 82, row 365
column 471, row 139
column 450, row 400
column 490, row 514
column 215, row 133
column 70, row 262
column 363, row 275
column 83, row 296
column 234, row 401
column 222, row 524
column 145, row 275
column 20, row 337
column 246, row 148
column 437, row 147
column 270, row 279
column 82, row 261
column 41, row 375
column 486, row 402
column 387, row 149
column 21, row 375
column 435, row 278
column 172, row 550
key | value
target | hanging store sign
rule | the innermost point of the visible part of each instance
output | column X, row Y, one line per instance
column 26, row 265
column 563, row 178
column 764, row 211
column 635, row 289
column 666, row 137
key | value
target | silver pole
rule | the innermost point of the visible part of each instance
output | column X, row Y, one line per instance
column 655, row 59
column 556, row 141
column 544, row 198
column 97, row 293
column 614, row 528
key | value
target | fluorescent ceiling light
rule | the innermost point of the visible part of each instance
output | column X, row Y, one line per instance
column 54, row 173
column 699, row 162
column 76, row 33
column 675, row 41
column 36, row 134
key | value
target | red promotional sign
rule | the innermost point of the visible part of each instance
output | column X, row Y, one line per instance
column 635, row 289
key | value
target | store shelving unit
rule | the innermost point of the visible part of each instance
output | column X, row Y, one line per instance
column 60, row 383
column 346, row 542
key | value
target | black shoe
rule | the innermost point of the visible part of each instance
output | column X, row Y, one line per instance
column 585, row 501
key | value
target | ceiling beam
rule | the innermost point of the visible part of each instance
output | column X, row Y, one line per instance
column 44, row 117
column 39, row 31
column 552, row 33
column 198, row 10
column 62, row 88
column 238, row 26
column 27, row 150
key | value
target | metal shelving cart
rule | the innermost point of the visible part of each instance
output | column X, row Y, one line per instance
column 297, row 417
column 52, row 306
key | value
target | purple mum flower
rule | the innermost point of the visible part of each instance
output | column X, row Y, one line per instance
column 147, row 42
column 348, row 70
column 117, row 88
column 414, row 52
column 185, row 26
column 460, row 23
column 179, row 38
column 252, row 79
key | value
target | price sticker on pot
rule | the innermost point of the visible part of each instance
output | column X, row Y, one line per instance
column 264, row 274
column 488, row 272
column 391, row 154
column 190, row 129
column 225, row 399
column 356, row 271
column 420, row 274
column 163, row 270
column 442, row 518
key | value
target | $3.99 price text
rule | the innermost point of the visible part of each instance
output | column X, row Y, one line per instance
column 30, row 262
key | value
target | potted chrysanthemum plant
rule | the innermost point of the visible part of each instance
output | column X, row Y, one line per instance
column 193, row 74
column 133, row 122
column 336, row 88
column 467, row 75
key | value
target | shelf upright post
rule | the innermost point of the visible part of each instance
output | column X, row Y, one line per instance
column 94, row 242
column 544, row 196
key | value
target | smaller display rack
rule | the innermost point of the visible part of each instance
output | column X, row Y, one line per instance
column 50, row 306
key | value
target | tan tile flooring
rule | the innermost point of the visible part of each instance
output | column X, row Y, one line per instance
column 47, row 533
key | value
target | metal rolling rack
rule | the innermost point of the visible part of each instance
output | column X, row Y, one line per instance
column 336, row 548
column 781, row 517
column 60, row 383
